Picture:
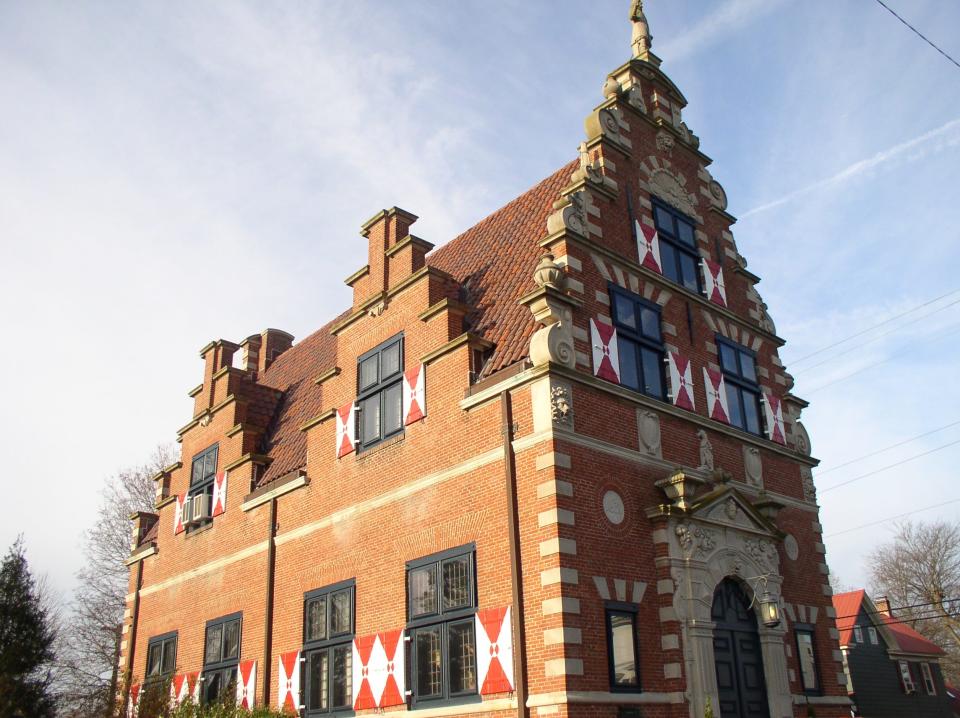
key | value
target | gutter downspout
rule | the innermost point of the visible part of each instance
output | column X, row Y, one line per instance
column 128, row 671
column 268, row 610
column 516, row 573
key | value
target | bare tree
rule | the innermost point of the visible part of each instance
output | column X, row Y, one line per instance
column 88, row 661
column 919, row 571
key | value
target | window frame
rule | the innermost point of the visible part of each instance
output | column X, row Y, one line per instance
column 205, row 485
column 638, row 337
column 328, row 644
column 444, row 619
column 741, row 384
column 160, row 641
column 609, row 609
column 381, row 386
column 221, row 666
column 810, row 630
column 857, row 634
column 872, row 635
column 672, row 237
column 906, row 674
column 926, row 674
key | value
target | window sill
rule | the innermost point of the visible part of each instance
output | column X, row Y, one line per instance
column 199, row 530
column 427, row 708
column 385, row 444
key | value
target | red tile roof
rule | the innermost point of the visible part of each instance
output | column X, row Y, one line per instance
column 909, row 640
column 494, row 263
column 847, row 605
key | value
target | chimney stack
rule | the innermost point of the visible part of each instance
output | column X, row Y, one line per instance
column 883, row 606
column 273, row 343
column 384, row 232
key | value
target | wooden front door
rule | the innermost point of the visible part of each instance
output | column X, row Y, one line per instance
column 736, row 648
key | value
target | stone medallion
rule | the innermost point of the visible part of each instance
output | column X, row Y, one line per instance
column 613, row 507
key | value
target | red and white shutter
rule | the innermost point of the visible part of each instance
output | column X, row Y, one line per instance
column 219, row 493
column 713, row 285
column 246, row 684
column 346, row 429
column 134, row 703
column 681, row 380
column 193, row 682
column 414, row 404
column 288, row 681
column 773, row 410
column 494, row 651
column 648, row 247
column 179, row 689
column 393, row 686
column 363, row 697
column 606, row 358
column 178, row 515
column 716, row 395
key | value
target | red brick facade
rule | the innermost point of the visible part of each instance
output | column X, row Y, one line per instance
column 620, row 499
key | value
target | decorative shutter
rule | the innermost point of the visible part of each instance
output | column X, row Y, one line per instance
column 178, row 689
column 648, row 247
column 681, row 380
column 134, row 701
column 193, row 681
column 494, row 651
column 606, row 358
column 288, row 678
column 362, row 690
column 773, row 411
column 414, row 404
column 219, row 493
column 178, row 515
column 716, row 395
column 247, row 684
column 346, row 429
column 394, row 686
column 713, row 285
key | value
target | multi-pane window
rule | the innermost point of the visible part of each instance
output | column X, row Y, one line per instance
column 740, row 378
column 622, row 647
column 221, row 654
column 872, row 632
column 928, row 684
column 807, row 658
column 161, row 656
column 441, row 603
column 857, row 634
column 639, row 342
column 906, row 677
column 380, row 392
column 678, row 247
column 328, row 629
column 202, row 475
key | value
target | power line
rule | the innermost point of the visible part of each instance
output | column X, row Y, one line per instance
column 925, row 604
column 890, row 466
column 871, row 328
column 919, row 34
column 892, row 518
column 886, row 448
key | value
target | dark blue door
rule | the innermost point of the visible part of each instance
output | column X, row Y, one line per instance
column 736, row 648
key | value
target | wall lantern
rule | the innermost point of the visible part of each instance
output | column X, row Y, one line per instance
column 768, row 603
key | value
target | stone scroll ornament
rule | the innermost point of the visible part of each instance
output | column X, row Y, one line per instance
column 246, row 684
column 606, row 358
column 716, row 395
column 648, row 247
column 773, row 412
column 713, row 285
column 414, row 395
column 681, row 380
column 378, row 670
column 346, row 429
column 288, row 681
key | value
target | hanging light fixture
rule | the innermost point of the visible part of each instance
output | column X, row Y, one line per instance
column 769, row 609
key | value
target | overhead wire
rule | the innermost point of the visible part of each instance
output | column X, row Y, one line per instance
column 887, row 448
column 919, row 34
column 924, row 604
column 892, row 518
column 889, row 466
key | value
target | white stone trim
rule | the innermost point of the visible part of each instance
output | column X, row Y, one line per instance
column 564, row 604
column 567, row 634
column 563, row 667
column 555, row 487
column 546, row 461
column 558, row 545
column 551, row 517
column 559, row 575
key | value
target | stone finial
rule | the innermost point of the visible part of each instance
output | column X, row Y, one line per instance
column 642, row 40
column 548, row 273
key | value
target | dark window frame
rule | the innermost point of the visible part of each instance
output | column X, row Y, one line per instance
column 380, row 387
column 671, row 235
column 810, row 630
column 619, row 607
column 328, row 644
column 206, row 482
column 160, row 641
column 223, row 665
column 929, row 688
column 444, row 619
column 743, row 386
column 639, row 338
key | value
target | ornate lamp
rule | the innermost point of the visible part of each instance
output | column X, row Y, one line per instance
column 769, row 610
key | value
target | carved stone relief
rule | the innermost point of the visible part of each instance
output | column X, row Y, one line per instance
column 635, row 98
column 561, row 405
column 791, row 547
column 648, row 428
column 665, row 142
column 668, row 187
column 718, row 194
column 761, row 551
column 697, row 542
column 572, row 215
column 801, row 438
column 809, row 488
column 753, row 466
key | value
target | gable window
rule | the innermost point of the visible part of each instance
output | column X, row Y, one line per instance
column 328, row 630
column 161, row 656
column 622, row 650
column 906, row 677
column 740, row 379
column 639, row 342
column 380, row 392
column 221, row 654
column 857, row 634
column 807, row 658
column 678, row 247
column 203, row 473
column 441, row 604
column 928, row 684
column 872, row 632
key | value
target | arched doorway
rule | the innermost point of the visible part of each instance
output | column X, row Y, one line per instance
column 741, row 686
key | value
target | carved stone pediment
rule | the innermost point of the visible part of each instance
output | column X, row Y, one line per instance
column 727, row 506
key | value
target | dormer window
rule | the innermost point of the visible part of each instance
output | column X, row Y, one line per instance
column 380, row 393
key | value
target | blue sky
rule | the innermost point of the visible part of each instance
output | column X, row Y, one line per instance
column 178, row 172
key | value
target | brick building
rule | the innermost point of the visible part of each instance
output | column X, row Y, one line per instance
column 552, row 468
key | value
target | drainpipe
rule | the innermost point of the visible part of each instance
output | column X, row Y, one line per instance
column 516, row 574
column 268, row 610
column 128, row 671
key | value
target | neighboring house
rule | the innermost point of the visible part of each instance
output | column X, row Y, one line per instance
column 892, row 671
column 954, row 695
column 552, row 468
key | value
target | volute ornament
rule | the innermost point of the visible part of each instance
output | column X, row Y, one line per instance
column 718, row 194
column 572, row 215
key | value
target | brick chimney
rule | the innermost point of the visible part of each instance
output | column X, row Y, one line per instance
column 883, row 606
column 392, row 254
column 273, row 343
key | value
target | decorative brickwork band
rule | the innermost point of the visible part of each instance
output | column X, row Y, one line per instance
column 288, row 681
column 178, row 515
column 414, row 399
column 681, row 380
column 346, row 429
column 606, row 358
column 713, row 285
column 378, row 670
column 773, row 411
column 648, row 247
column 716, row 395
column 220, row 493
column 246, row 684
column 494, row 651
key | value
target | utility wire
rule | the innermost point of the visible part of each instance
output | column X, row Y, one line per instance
column 925, row 604
column 919, row 34
column 890, row 466
column 886, row 448
column 871, row 328
column 892, row 518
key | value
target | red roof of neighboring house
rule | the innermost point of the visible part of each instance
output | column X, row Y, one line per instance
column 954, row 695
column 847, row 605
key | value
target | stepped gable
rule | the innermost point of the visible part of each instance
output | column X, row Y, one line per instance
column 494, row 262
